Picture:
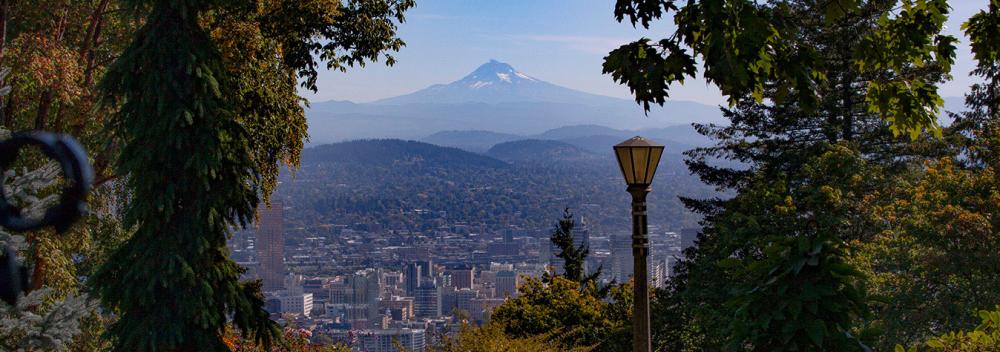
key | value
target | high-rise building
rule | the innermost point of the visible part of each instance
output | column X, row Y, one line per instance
column 400, row 308
column 427, row 268
column 658, row 273
column 365, row 290
column 270, row 245
column 296, row 303
column 462, row 277
column 427, row 300
column 621, row 257
column 412, row 278
column 387, row 340
column 506, row 284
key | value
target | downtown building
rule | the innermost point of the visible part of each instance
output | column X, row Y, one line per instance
column 427, row 300
column 387, row 340
column 270, row 244
column 506, row 284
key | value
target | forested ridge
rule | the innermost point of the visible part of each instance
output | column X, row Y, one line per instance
column 385, row 181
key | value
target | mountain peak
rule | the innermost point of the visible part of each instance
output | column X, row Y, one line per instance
column 494, row 72
column 498, row 82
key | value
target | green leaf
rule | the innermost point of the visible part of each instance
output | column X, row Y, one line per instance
column 816, row 330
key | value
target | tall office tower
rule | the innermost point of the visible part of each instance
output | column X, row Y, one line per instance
column 506, row 284
column 365, row 291
column 412, row 278
column 427, row 268
column 462, row 277
column 658, row 273
column 427, row 301
column 270, row 245
column 621, row 257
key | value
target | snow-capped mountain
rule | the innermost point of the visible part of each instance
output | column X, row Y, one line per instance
column 494, row 97
column 497, row 82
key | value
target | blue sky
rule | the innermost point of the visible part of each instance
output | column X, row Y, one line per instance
column 562, row 42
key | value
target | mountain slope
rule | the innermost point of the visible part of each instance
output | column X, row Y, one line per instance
column 497, row 82
column 495, row 97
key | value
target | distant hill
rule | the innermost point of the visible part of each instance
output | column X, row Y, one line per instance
column 474, row 141
column 594, row 138
column 388, row 152
column 540, row 151
column 576, row 131
column 418, row 187
column 494, row 97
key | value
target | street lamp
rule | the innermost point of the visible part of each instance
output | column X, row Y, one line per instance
column 638, row 158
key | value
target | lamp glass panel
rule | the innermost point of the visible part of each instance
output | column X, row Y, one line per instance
column 654, row 161
column 640, row 161
column 625, row 161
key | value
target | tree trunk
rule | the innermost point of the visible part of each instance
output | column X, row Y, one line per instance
column 91, row 41
column 44, row 103
column 60, row 121
column 4, row 18
column 8, row 110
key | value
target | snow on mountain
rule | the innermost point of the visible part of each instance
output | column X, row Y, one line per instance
column 497, row 82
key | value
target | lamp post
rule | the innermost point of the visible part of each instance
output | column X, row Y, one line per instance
column 638, row 158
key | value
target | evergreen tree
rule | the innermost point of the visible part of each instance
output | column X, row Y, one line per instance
column 782, row 121
column 574, row 258
column 190, row 166
column 781, row 136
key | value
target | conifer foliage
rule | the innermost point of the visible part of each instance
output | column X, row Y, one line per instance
column 574, row 257
column 188, row 169
column 188, row 163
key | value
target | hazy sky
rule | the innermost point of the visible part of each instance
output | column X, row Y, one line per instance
column 562, row 42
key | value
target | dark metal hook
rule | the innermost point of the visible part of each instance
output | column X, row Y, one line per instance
column 79, row 176
column 72, row 199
